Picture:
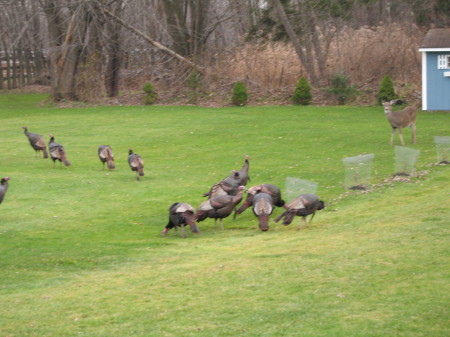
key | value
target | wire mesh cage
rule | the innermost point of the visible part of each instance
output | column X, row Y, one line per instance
column 442, row 149
column 296, row 186
column 358, row 171
column 405, row 159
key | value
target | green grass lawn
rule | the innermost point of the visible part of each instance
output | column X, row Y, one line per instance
column 81, row 252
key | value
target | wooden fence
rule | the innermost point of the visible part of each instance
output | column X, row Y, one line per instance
column 18, row 69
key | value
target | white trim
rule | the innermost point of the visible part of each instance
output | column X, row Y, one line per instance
column 442, row 61
column 424, row 82
column 424, row 50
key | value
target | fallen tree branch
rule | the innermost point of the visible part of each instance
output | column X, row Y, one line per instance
column 153, row 42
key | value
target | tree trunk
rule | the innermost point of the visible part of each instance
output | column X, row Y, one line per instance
column 112, row 72
column 63, row 56
column 306, row 58
column 175, row 14
column 63, row 85
column 199, row 11
column 38, row 55
column 114, row 59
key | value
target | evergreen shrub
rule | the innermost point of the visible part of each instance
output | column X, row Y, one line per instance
column 240, row 94
column 386, row 91
column 302, row 92
column 151, row 96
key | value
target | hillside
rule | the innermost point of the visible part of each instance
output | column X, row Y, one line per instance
column 82, row 252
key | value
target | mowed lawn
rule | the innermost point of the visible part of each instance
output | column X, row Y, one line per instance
column 81, row 252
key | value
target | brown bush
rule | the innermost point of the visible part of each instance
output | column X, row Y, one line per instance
column 271, row 70
column 365, row 55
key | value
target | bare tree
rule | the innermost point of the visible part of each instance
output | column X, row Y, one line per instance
column 113, row 52
column 186, row 23
column 304, row 54
column 67, row 25
column 152, row 41
column 88, row 47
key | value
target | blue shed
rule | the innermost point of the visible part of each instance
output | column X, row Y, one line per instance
column 435, row 50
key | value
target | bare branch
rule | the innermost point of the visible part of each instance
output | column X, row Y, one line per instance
column 153, row 42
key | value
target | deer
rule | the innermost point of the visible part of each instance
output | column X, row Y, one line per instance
column 401, row 119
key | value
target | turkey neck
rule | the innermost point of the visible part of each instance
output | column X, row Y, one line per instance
column 243, row 173
column 237, row 198
column 245, row 166
column 234, row 201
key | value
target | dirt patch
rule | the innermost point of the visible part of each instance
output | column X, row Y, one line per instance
column 389, row 181
column 33, row 89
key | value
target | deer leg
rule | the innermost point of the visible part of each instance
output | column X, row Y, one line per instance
column 183, row 231
column 413, row 132
column 400, row 134
column 215, row 223
column 221, row 223
column 392, row 136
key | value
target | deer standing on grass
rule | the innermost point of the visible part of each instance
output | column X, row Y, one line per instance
column 401, row 119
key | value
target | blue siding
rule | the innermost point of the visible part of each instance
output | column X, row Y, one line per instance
column 438, row 86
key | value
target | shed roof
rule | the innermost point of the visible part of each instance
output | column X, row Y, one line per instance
column 437, row 38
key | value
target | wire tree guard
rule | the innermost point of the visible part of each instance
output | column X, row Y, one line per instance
column 405, row 159
column 358, row 171
column 442, row 149
column 296, row 186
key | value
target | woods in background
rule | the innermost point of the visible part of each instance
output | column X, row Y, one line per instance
column 92, row 48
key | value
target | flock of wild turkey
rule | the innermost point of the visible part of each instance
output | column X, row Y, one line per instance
column 223, row 197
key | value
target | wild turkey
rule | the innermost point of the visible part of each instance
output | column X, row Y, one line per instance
column 243, row 172
column 181, row 214
column 230, row 184
column 3, row 188
column 262, row 208
column 37, row 142
column 57, row 151
column 219, row 207
column 106, row 156
column 270, row 189
column 303, row 205
column 136, row 163
column 227, row 186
